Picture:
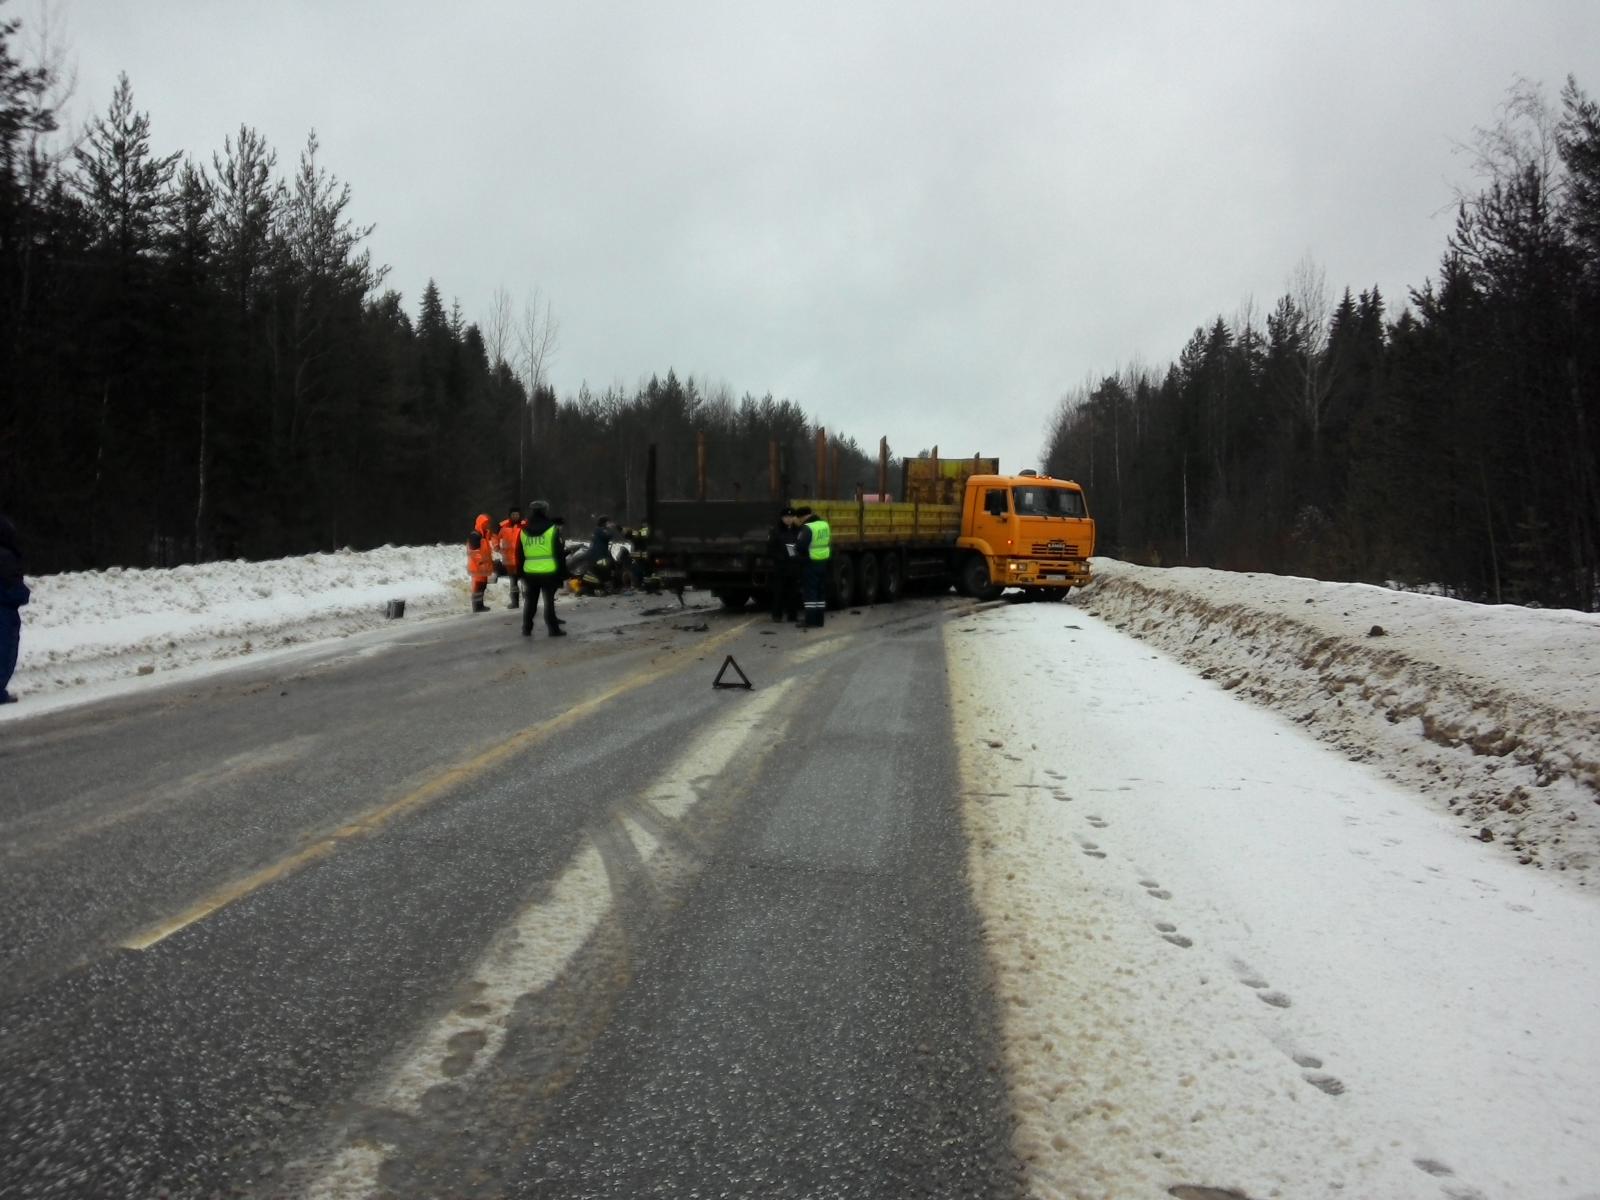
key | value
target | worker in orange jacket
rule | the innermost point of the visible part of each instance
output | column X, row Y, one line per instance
column 510, row 538
column 480, row 561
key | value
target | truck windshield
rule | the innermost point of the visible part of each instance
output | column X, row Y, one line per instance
column 1047, row 502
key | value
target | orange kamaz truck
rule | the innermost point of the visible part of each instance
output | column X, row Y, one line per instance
column 957, row 522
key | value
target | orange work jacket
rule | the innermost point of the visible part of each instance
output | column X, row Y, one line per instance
column 511, row 543
column 480, row 551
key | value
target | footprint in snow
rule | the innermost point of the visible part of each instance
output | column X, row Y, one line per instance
column 1247, row 976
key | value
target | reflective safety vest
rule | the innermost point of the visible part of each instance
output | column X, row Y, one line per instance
column 539, row 552
column 821, row 539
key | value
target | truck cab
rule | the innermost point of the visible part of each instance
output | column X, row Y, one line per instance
column 1026, row 531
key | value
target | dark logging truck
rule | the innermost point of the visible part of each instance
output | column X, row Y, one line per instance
column 957, row 522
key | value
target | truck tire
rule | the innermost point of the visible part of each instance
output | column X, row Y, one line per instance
column 841, row 582
column 867, row 580
column 891, row 577
column 974, row 579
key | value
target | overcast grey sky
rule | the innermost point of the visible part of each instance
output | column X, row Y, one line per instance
column 921, row 219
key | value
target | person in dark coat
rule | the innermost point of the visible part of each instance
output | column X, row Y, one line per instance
column 785, row 567
column 13, row 595
column 600, row 563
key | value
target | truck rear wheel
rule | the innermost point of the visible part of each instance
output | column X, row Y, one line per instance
column 841, row 582
column 974, row 579
column 867, row 581
column 891, row 578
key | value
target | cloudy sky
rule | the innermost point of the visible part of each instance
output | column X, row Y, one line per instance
column 926, row 220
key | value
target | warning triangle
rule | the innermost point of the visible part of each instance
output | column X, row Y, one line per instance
column 726, row 663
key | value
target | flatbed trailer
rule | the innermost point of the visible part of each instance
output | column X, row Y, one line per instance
column 979, row 532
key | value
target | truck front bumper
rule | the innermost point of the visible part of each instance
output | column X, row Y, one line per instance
column 1031, row 572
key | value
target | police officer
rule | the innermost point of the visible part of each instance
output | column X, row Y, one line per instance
column 785, row 567
column 544, row 564
column 814, row 548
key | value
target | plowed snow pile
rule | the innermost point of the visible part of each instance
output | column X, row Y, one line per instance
column 1230, row 962
column 89, row 628
column 1492, row 711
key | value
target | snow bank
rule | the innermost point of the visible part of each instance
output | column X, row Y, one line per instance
column 1229, row 963
column 1491, row 711
column 94, row 627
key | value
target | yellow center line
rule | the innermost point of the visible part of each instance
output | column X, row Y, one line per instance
column 446, row 781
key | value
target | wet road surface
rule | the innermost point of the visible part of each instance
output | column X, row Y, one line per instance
column 456, row 913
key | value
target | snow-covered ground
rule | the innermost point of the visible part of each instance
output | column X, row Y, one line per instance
column 1230, row 958
column 1492, row 712
column 89, row 634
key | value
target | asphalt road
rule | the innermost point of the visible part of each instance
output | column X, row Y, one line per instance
column 455, row 913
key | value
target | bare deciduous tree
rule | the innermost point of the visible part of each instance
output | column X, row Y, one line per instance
column 538, row 338
column 1308, row 285
column 498, row 328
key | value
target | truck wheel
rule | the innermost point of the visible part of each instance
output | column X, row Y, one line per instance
column 733, row 599
column 975, row 579
column 867, row 582
column 891, row 578
column 841, row 582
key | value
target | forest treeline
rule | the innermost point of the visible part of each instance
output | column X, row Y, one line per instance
column 201, row 362
column 1457, row 443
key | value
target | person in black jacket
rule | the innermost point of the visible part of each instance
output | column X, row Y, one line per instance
column 785, row 567
column 13, row 595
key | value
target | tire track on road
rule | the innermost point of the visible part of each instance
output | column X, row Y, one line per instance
column 442, row 783
column 532, row 954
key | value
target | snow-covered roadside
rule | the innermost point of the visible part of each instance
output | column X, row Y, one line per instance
column 87, row 629
column 1491, row 711
column 1230, row 962
column 90, row 635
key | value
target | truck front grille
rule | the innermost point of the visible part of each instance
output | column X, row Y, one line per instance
column 1054, row 550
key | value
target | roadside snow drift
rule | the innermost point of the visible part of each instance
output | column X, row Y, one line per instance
column 89, row 628
column 1491, row 711
column 1228, row 961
